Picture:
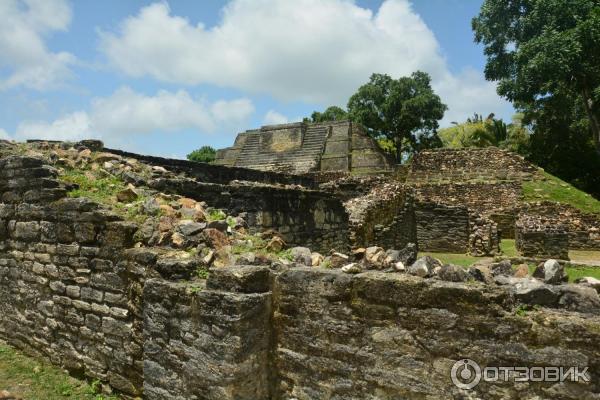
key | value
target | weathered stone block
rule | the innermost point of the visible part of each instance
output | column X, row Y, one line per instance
column 28, row 231
column 243, row 279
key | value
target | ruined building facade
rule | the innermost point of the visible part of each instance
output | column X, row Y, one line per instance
column 300, row 148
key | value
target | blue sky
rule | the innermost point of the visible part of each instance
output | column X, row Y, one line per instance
column 169, row 76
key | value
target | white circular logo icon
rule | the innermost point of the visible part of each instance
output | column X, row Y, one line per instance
column 465, row 374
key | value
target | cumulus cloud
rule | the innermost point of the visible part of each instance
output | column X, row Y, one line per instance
column 73, row 126
column 311, row 50
column 272, row 117
column 24, row 57
column 127, row 112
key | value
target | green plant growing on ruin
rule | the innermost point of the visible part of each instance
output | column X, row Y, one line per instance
column 95, row 387
column 521, row 310
column 285, row 255
column 202, row 273
column 216, row 215
column 240, row 248
column 100, row 189
column 193, row 289
column 192, row 251
column 326, row 264
column 231, row 222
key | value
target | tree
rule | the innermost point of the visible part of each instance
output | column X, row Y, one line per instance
column 562, row 141
column 477, row 132
column 538, row 48
column 203, row 154
column 332, row 113
column 405, row 111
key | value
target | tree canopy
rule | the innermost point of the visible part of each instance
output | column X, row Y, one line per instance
column 405, row 111
column 479, row 132
column 203, row 154
column 332, row 113
column 538, row 49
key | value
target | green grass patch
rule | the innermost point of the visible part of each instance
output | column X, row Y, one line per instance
column 508, row 247
column 552, row 188
column 285, row 254
column 580, row 272
column 216, row 215
column 103, row 190
column 202, row 273
column 100, row 189
column 463, row 260
column 38, row 380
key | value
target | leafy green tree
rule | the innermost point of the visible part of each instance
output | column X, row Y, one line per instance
column 203, row 154
column 332, row 113
column 562, row 142
column 477, row 132
column 537, row 49
column 405, row 111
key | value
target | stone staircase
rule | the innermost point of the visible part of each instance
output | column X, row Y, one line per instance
column 301, row 160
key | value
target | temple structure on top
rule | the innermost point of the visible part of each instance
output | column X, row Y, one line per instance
column 300, row 148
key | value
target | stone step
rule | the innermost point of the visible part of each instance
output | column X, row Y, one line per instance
column 304, row 158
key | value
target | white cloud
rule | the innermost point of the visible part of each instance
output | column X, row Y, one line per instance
column 73, row 126
column 309, row 50
column 23, row 53
column 272, row 117
column 126, row 113
column 4, row 135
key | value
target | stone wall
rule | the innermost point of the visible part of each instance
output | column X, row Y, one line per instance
column 383, row 217
column 454, row 229
column 478, row 196
column 302, row 217
column 442, row 228
column 64, row 291
column 73, row 290
column 388, row 215
column 499, row 201
column 221, row 174
column 536, row 236
column 378, row 336
column 484, row 237
column 469, row 164
column 583, row 229
column 307, row 333
column 207, row 344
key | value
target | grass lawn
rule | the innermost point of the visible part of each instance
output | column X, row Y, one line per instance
column 463, row 260
column 553, row 189
column 32, row 379
column 508, row 247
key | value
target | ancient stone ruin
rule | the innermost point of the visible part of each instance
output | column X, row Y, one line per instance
column 299, row 148
column 168, row 279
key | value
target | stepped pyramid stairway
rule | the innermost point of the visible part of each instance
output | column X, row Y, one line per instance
column 306, row 158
